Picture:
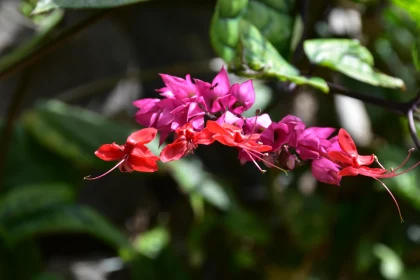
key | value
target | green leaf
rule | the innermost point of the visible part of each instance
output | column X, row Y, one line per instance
column 250, row 36
column 73, row 132
column 350, row 58
column 30, row 163
column 391, row 266
column 24, row 50
column 22, row 202
column 415, row 53
column 193, row 179
column 69, row 218
column 151, row 243
column 46, row 5
column 411, row 7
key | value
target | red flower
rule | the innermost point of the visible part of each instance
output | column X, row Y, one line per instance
column 186, row 141
column 231, row 135
column 349, row 154
column 353, row 164
column 132, row 156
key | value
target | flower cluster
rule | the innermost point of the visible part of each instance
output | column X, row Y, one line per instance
column 201, row 113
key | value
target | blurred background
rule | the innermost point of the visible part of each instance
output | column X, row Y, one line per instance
column 205, row 216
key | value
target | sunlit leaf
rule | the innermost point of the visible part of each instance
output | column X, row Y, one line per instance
column 47, row 5
column 151, row 243
column 391, row 266
column 350, row 58
column 250, row 36
column 73, row 132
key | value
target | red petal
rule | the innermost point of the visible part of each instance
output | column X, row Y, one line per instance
column 365, row 160
column 204, row 137
column 214, row 127
column 225, row 140
column 340, row 157
column 174, row 151
column 346, row 142
column 110, row 152
column 349, row 171
column 142, row 136
column 142, row 163
column 143, row 151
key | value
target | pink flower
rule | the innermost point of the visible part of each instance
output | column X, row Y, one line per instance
column 156, row 113
column 295, row 128
column 326, row 171
column 177, row 88
column 243, row 95
column 230, row 118
column 312, row 142
column 216, row 94
column 257, row 124
column 276, row 135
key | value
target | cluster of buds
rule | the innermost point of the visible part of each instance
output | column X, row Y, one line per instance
column 201, row 113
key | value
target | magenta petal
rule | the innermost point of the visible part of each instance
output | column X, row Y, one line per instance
column 221, row 84
column 326, row 171
column 244, row 94
column 180, row 88
column 259, row 125
column 230, row 118
column 321, row 132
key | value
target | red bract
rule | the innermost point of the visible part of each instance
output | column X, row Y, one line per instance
column 349, row 154
column 186, row 141
column 232, row 136
column 132, row 156
column 352, row 164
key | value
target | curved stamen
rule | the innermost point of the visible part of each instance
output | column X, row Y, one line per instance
column 393, row 174
column 109, row 171
column 405, row 161
column 256, row 164
column 267, row 162
column 395, row 201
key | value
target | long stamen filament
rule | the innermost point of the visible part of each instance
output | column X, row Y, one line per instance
column 405, row 160
column 393, row 174
column 395, row 201
column 265, row 161
column 253, row 160
column 109, row 171
column 377, row 161
column 255, row 125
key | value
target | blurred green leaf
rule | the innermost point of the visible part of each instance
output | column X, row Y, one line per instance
column 405, row 185
column 151, row 243
column 22, row 202
column 391, row 266
column 73, row 132
column 350, row 58
column 47, row 5
column 307, row 218
column 246, row 35
column 67, row 218
column 364, row 256
column 44, row 6
column 30, row 163
column 415, row 53
column 191, row 177
column 48, row 276
column 411, row 7
column 245, row 224
column 45, row 26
